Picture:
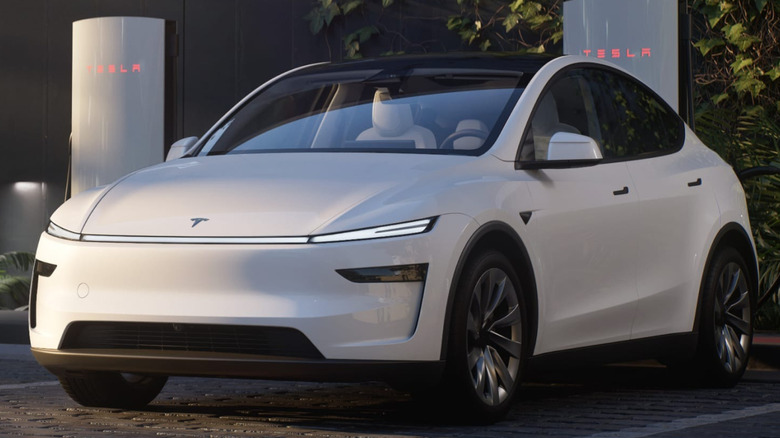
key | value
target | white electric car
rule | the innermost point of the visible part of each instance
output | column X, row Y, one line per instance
column 439, row 222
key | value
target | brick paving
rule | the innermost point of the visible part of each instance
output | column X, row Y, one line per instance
column 627, row 402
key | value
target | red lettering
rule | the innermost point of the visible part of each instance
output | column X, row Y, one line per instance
column 89, row 68
column 100, row 69
column 137, row 68
column 617, row 53
column 122, row 68
column 111, row 68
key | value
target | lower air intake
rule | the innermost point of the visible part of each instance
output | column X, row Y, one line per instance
column 252, row 340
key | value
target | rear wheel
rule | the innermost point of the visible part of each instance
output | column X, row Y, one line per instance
column 112, row 389
column 726, row 324
column 486, row 349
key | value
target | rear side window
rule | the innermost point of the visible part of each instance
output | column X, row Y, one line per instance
column 633, row 121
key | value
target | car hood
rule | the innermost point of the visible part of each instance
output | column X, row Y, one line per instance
column 293, row 194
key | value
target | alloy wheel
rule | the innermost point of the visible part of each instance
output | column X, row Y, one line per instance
column 494, row 341
column 732, row 319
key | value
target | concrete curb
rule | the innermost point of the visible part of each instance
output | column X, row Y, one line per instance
column 13, row 327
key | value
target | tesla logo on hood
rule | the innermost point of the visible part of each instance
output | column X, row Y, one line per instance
column 197, row 220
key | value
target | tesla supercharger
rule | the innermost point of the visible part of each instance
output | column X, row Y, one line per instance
column 641, row 36
column 118, row 98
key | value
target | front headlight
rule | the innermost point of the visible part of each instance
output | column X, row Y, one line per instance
column 62, row 233
column 394, row 230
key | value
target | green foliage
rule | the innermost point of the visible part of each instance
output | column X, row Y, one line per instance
column 323, row 13
column 326, row 13
column 748, row 140
column 353, row 41
column 738, row 43
column 738, row 106
column 516, row 25
column 14, row 289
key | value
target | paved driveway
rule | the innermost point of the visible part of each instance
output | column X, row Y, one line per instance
column 619, row 401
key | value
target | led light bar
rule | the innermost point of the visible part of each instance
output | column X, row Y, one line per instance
column 402, row 229
column 191, row 240
column 62, row 233
column 394, row 230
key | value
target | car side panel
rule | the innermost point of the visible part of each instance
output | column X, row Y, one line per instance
column 582, row 237
column 678, row 217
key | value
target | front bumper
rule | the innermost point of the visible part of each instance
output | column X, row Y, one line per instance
column 289, row 286
column 62, row 362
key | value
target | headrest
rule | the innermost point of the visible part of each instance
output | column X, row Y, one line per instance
column 390, row 119
column 479, row 125
column 469, row 142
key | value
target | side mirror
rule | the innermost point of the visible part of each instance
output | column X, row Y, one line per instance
column 180, row 148
column 569, row 147
column 568, row 150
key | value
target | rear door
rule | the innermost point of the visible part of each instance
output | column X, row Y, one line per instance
column 677, row 209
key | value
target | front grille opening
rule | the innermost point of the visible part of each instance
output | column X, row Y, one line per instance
column 212, row 338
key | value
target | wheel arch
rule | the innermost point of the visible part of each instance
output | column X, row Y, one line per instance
column 502, row 237
column 731, row 235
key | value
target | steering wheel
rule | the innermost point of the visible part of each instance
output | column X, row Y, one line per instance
column 448, row 142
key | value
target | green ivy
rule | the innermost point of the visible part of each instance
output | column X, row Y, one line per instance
column 353, row 41
column 325, row 13
column 517, row 25
column 740, row 65
column 14, row 289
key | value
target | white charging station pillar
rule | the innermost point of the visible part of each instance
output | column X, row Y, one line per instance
column 118, row 98
column 641, row 36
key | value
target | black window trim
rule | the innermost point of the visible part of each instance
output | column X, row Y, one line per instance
column 519, row 165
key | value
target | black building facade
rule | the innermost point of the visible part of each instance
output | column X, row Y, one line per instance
column 223, row 49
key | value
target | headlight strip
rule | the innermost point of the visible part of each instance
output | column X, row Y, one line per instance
column 384, row 231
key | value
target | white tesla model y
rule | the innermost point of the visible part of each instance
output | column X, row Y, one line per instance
column 439, row 222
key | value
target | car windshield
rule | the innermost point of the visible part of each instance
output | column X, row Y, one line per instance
column 450, row 111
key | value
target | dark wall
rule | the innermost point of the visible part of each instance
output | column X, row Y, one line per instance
column 226, row 48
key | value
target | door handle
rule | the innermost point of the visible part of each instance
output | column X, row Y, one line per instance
column 623, row 191
column 695, row 183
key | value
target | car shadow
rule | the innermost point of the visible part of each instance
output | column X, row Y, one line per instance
column 376, row 408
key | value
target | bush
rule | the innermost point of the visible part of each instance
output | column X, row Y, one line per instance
column 14, row 287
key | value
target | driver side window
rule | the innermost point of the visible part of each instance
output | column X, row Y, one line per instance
column 566, row 106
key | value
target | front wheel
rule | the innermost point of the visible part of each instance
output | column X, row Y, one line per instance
column 486, row 349
column 726, row 324
column 112, row 389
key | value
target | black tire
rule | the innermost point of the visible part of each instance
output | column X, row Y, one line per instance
column 486, row 349
column 726, row 321
column 112, row 389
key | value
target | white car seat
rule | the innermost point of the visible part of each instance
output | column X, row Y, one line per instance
column 393, row 121
column 470, row 142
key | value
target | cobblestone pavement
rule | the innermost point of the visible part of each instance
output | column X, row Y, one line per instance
column 619, row 401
